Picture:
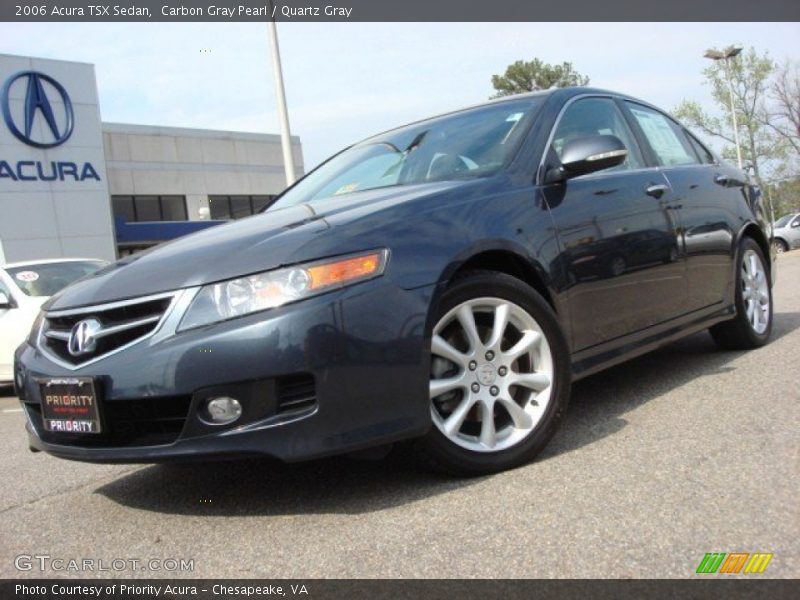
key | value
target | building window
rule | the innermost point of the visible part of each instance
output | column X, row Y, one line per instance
column 236, row 207
column 150, row 208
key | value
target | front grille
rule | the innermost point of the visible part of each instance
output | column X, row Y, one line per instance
column 296, row 392
column 141, row 422
column 120, row 324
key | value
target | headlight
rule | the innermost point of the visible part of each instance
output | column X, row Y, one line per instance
column 252, row 293
column 33, row 336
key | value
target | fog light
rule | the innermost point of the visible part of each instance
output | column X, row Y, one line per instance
column 221, row 410
column 19, row 382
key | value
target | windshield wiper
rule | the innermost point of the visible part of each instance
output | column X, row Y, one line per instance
column 415, row 142
column 404, row 154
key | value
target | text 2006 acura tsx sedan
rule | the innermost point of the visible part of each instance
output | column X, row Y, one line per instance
column 444, row 281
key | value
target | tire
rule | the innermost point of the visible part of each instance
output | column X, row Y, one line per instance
column 780, row 246
column 748, row 329
column 500, row 397
column 617, row 266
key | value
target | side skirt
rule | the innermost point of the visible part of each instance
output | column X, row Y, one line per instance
column 597, row 358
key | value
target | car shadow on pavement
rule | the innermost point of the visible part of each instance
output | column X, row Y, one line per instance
column 266, row 487
column 344, row 485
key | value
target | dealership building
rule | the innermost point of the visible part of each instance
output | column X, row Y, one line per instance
column 72, row 185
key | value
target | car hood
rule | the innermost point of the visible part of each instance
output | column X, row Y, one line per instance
column 265, row 241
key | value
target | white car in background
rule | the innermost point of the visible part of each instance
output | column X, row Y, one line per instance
column 24, row 287
column 786, row 233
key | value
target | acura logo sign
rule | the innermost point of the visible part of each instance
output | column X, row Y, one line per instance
column 56, row 117
column 83, row 338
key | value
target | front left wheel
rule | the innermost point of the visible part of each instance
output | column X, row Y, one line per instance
column 499, row 378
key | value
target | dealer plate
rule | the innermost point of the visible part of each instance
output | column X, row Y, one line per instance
column 69, row 405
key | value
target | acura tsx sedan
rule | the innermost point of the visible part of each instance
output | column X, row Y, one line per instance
column 443, row 283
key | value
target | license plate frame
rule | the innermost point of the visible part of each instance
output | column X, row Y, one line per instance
column 70, row 405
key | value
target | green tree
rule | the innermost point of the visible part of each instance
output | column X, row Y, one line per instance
column 784, row 110
column 522, row 76
column 783, row 117
column 784, row 195
column 762, row 147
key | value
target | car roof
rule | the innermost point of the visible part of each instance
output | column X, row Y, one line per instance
column 47, row 261
column 564, row 92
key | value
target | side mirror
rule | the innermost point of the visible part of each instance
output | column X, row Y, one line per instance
column 588, row 154
column 5, row 301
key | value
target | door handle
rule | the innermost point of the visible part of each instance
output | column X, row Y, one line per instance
column 726, row 181
column 656, row 190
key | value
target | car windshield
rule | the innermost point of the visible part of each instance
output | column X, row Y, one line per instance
column 46, row 279
column 783, row 221
column 471, row 143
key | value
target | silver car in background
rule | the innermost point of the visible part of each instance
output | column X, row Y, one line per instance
column 786, row 233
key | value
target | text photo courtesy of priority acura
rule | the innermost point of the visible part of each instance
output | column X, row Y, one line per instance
column 442, row 283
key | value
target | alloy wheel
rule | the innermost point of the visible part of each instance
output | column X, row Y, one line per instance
column 755, row 291
column 491, row 374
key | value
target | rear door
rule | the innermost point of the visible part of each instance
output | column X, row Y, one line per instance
column 707, row 196
column 617, row 229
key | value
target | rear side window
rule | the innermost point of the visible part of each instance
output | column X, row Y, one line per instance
column 596, row 116
column 705, row 156
column 665, row 137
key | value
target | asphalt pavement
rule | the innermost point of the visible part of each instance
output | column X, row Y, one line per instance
column 681, row 452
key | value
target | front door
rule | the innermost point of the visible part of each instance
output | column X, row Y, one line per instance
column 620, row 260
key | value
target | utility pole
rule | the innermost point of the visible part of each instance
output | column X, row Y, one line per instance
column 726, row 55
column 280, row 93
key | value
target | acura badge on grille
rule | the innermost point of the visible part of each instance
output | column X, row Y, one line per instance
column 83, row 338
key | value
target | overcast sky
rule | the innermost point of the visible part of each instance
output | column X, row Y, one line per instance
column 347, row 81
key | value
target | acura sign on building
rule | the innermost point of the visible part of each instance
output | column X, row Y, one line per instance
column 74, row 186
column 54, row 196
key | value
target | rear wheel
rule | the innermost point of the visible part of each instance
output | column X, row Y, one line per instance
column 752, row 325
column 499, row 379
column 617, row 266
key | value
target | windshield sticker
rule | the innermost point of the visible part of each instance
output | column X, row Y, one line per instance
column 346, row 189
column 27, row 276
column 514, row 116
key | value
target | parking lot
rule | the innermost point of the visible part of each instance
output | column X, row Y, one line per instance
column 681, row 452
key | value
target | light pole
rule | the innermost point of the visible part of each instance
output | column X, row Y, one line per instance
column 726, row 55
column 283, row 114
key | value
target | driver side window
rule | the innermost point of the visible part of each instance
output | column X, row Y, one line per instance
column 597, row 116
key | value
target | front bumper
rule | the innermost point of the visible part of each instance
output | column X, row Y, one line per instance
column 333, row 374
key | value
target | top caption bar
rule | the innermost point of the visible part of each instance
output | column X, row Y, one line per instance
column 339, row 11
